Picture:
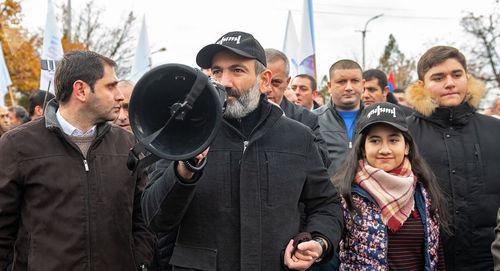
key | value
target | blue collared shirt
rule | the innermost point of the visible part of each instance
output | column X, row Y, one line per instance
column 72, row 130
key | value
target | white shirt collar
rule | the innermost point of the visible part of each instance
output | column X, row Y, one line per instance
column 72, row 130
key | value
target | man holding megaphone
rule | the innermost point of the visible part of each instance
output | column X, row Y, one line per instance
column 241, row 210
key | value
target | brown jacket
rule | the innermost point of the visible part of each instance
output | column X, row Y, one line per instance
column 64, row 211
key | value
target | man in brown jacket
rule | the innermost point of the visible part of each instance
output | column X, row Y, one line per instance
column 67, row 200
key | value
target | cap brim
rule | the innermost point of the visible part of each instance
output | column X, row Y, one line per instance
column 397, row 126
column 207, row 53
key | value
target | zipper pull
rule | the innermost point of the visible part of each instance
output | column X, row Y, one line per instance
column 86, row 165
column 245, row 145
column 350, row 144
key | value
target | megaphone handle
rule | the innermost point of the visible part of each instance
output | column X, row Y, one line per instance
column 189, row 164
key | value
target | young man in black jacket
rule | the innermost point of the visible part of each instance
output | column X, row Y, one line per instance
column 241, row 211
column 461, row 146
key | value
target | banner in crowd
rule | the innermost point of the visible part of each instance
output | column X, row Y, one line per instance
column 306, row 54
column 52, row 50
column 142, row 60
column 291, row 45
column 5, row 81
column 390, row 81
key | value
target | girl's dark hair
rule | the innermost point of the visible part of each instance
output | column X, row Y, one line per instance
column 344, row 177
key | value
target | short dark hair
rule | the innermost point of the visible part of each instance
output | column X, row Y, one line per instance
column 344, row 64
column 376, row 74
column 37, row 98
column 437, row 55
column 87, row 66
column 312, row 81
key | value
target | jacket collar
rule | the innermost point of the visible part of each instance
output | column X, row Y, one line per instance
column 456, row 116
column 419, row 198
column 333, row 108
column 285, row 105
column 423, row 102
column 266, row 115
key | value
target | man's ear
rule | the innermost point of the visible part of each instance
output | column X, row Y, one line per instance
column 329, row 86
column 80, row 90
column 288, row 80
column 315, row 93
column 265, row 80
column 385, row 91
column 38, row 111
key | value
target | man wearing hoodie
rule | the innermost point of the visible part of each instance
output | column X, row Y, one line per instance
column 461, row 146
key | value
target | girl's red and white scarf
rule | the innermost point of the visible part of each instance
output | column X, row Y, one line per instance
column 393, row 191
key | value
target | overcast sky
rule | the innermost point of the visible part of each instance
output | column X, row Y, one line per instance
column 185, row 26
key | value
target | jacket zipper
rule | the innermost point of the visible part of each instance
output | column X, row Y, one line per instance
column 89, row 238
column 96, row 140
column 245, row 145
column 86, row 165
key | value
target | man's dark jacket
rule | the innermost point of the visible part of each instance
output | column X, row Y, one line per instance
column 334, row 132
column 462, row 147
column 243, row 210
column 309, row 119
column 65, row 211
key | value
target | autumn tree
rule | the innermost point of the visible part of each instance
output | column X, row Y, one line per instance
column 394, row 60
column 485, row 60
column 19, row 49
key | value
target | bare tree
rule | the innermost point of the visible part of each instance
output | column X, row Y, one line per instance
column 394, row 60
column 116, row 42
column 485, row 60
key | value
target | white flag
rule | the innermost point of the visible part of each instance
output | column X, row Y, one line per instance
column 142, row 61
column 52, row 49
column 4, row 77
column 291, row 45
column 306, row 54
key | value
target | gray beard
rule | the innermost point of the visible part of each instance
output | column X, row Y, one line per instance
column 244, row 104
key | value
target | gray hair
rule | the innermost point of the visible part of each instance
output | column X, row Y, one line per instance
column 259, row 67
column 273, row 55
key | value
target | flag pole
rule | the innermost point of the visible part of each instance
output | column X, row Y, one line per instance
column 12, row 101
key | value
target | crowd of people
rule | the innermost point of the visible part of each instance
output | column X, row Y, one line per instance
column 366, row 179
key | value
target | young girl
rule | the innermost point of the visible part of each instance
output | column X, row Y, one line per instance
column 393, row 207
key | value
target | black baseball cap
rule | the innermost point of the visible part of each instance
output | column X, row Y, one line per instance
column 240, row 43
column 385, row 112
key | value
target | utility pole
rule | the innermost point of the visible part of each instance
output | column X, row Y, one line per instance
column 363, row 33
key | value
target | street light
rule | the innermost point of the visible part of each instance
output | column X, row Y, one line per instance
column 363, row 32
column 162, row 49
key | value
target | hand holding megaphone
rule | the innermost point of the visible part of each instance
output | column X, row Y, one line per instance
column 187, row 168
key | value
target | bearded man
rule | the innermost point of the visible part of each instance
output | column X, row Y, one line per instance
column 242, row 210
